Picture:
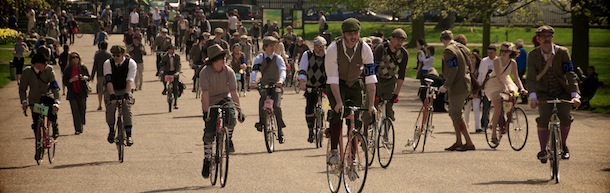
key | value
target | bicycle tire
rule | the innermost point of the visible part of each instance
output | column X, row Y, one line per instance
column 488, row 131
column 214, row 161
column 319, row 127
column 518, row 129
column 297, row 87
column 40, row 145
column 268, row 131
column 426, row 130
column 385, row 131
column 555, row 153
column 351, row 183
column 224, row 157
column 51, row 152
column 120, row 144
column 170, row 96
column 417, row 130
column 371, row 136
column 334, row 173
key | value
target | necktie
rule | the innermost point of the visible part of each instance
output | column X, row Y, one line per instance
column 268, row 60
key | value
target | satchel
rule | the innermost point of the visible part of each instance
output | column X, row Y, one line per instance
column 89, row 89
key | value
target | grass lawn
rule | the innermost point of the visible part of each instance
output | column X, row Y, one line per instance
column 5, row 57
column 563, row 36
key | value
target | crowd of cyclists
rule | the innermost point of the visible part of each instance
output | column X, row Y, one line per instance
column 348, row 68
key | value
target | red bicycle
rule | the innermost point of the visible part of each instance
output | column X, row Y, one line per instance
column 44, row 140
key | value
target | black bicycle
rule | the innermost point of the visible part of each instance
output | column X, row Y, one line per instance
column 120, row 134
column 219, row 164
column 319, row 127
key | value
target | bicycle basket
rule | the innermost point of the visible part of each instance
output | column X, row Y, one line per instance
column 169, row 78
column 268, row 104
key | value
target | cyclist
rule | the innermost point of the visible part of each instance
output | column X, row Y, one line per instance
column 392, row 59
column 218, row 33
column 551, row 75
column 217, row 81
column 43, row 88
column 196, row 56
column 120, row 73
column 312, row 75
column 347, row 60
column 161, row 45
column 273, row 71
column 457, row 82
column 172, row 66
column 237, row 62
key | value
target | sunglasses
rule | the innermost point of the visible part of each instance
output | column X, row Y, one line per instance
column 72, row 57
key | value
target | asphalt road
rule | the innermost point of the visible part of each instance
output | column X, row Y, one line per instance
column 168, row 151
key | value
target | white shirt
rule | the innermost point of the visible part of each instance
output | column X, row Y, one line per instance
column 486, row 65
column 233, row 22
column 279, row 61
column 134, row 17
column 131, row 74
column 332, row 67
column 428, row 62
column 156, row 15
column 322, row 21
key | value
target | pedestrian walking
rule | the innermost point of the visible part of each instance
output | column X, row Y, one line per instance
column 75, row 77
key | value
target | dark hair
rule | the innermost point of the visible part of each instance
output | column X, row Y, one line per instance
column 476, row 51
column 421, row 41
column 103, row 45
column 592, row 68
column 430, row 49
column 66, row 48
column 214, row 59
column 477, row 57
column 378, row 34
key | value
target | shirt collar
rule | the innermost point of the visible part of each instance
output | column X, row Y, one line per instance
column 552, row 50
column 265, row 56
column 345, row 49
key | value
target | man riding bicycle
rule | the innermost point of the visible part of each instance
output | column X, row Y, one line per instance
column 171, row 66
column 392, row 59
column 43, row 88
column 273, row 71
column 312, row 75
column 197, row 57
column 120, row 73
column 217, row 81
column 161, row 45
column 347, row 60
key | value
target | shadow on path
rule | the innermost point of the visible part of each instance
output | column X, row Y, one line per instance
column 189, row 117
column 280, row 150
column 100, row 163
column 526, row 182
column 603, row 170
column 147, row 114
column 15, row 167
column 179, row 189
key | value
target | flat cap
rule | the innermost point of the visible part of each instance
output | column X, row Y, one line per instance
column 319, row 41
column 270, row 40
column 117, row 49
column 350, row 25
column 399, row 33
column 219, row 30
column 545, row 28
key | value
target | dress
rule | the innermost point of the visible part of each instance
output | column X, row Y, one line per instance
column 493, row 87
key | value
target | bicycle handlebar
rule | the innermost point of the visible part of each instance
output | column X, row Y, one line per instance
column 556, row 101
column 260, row 86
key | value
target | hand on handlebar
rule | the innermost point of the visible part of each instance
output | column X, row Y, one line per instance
column 338, row 107
column 575, row 102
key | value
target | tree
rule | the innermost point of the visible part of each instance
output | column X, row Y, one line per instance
column 584, row 13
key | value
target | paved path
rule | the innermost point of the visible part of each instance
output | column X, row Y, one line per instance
column 168, row 151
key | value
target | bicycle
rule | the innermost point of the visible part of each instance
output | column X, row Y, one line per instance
column 169, row 87
column 319, row 115
column 353, row 164
column 44, row 140
column 382, row 136
column 427, row 110
column 554, row 148
column 270, row 125
column 120, row 134
column 219, row 164
column 515, row 124
column 241, row 91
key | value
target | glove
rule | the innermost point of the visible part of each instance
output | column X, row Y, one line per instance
column 442, row 89
column 205, row 116
column 241, row 117
column 394, row 98
column 112, row 97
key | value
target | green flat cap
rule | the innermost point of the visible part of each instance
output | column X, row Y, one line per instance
column 350, row 25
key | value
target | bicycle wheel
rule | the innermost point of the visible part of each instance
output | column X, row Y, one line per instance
column 297, row 87
column 488, row 131
column 223, row 163
column 51, row 151
column 319, row 127
column 416, row 132
column 334, row 173
column 555, row 141
column 518, row 130
column 214, row 162
column 269, row 131
column 170, row 98
column 354, row 161
column 426, row 130
column 40, row 142
column 371, row 136
column 385, row 143
column 120, row 144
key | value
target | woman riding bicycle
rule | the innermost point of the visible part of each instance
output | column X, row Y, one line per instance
column 500, row 82
column 217, row 81
column 312, row 75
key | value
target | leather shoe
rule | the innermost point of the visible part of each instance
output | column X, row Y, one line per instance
column 465, row 148
column 259, row 127
column 453, row 147
column 566, row 153
column 542, row 157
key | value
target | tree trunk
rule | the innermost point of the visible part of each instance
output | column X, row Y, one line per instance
column 486, row 33
column 447, row 22
column 580, row 38
column 417, row 30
